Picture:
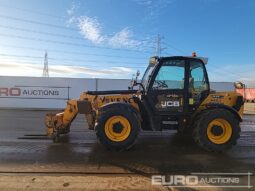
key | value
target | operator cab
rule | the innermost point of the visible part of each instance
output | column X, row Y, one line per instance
column 175, row 87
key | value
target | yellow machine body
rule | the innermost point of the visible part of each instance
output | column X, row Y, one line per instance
column 95, row 102
column 187, row 104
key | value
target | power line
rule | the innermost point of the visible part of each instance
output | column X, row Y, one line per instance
column 41, row 13
column 94, row 61
column 69, row 43
column 69, row 52
column 22, row 61
column 158, row 47
column 72, row 61
column 23, row 56
column 66, row 59
column 53, row 34
column 60, row 27
column 220, row 71
column 168, row 54
column 68, row 64
column 31, row 11
column 56, row 26
column 37, row 22
column 40, row 32
column 52, row 25
column 175, row 48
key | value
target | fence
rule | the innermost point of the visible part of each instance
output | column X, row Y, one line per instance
column 52, row 93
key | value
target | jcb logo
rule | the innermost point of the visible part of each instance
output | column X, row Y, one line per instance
column 10, row 91
column 165, row 104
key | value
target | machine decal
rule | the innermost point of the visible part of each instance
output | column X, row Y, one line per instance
column 165, row 104
column 107, row 99
column 217, row 98
column 169, row 102
column 191, row 101
column 172, row 96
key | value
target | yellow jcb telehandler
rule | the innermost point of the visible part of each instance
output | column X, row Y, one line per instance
column 174, row 93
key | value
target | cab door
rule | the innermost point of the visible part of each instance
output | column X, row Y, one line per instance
column 199, row 87
column 168, row 92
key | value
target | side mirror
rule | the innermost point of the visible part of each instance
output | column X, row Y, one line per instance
column 133, row 82
column 239, row 85
column 137, row 73
column 153, row 60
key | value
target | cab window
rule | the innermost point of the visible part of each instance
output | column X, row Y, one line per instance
column 197, row 77
column 197, row 80
column 170, row 75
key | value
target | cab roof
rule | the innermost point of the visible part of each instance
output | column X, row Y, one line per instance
column 153, row 60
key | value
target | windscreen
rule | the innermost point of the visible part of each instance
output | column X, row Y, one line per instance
column 171, row 75
column 147, row 75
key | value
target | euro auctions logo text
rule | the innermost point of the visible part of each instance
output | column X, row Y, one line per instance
column 174, row 180
column 16, row 91
column 33, row 92
column 240, row 180
column 10, row 92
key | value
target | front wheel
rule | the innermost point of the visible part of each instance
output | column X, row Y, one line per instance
column 118, row 127
column 216, row 130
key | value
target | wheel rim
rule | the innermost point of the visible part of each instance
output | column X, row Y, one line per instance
column 219, row 131
column 117, row 128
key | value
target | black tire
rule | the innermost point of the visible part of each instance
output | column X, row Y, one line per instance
column 118, row 109
column 201, row 125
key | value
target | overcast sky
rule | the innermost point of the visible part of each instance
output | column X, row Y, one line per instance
column 113, row 38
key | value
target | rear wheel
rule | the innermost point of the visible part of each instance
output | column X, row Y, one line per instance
column 118, row 127
column 216, row 130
